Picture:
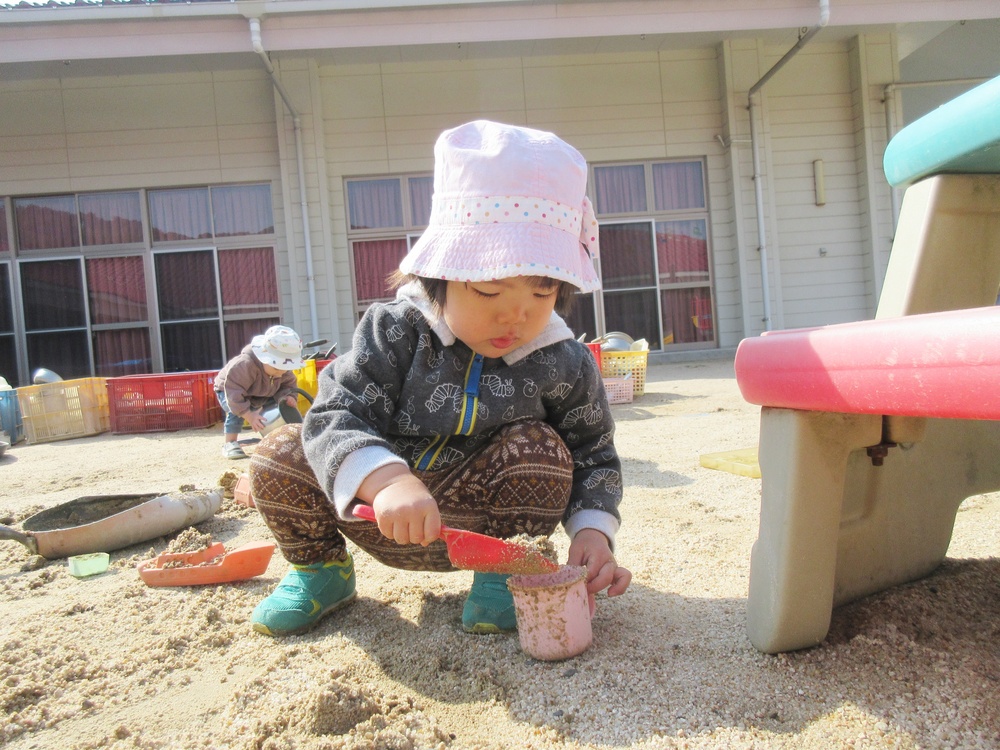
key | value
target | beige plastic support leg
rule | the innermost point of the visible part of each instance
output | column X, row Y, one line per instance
column 803, row 462
column 834, row 527
column 946, row 252
column 898, row 518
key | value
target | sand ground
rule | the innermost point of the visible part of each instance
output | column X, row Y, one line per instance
column 108, row 662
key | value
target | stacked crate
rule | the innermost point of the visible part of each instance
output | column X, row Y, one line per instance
column 65, row 409
column 622, row 364
column 163, row 402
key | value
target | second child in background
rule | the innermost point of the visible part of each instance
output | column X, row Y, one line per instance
column 259, row 375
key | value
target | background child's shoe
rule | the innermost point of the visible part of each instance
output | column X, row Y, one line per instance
column 233, row 450
column 305, row 595
column 489, row 607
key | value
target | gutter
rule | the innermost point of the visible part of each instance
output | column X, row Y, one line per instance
column 258, row 47
column 824, row 17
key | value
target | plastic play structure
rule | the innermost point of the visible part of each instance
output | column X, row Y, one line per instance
column 873, row 433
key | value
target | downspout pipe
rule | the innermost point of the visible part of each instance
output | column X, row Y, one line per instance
column 824, row 17
column 258, row 47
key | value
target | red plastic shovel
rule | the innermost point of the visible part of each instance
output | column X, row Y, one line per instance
column 487, row 554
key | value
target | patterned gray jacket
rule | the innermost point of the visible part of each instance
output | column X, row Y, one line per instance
column 409, row 391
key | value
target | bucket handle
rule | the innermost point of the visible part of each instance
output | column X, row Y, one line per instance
column 6, row 532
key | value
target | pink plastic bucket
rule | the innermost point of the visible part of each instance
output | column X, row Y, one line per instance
column 553, row 613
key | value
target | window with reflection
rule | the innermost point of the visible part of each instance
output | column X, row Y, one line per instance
column 55, row 317
column 655, row 260
column 187, row 295
column 241, row 210
column 119, row 315
column 46, row 222
column 4, row 239
column 375, row 204
column 8, row 337
column 620, row 189
column 133, row 268
column 110, row 218
column 249, row 289
column 374, row 263
column 381, row 231
column 179, row 214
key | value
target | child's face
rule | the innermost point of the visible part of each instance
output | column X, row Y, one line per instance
column 274, row 372
column 495, row 317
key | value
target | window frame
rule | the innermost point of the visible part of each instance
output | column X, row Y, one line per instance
column 652, row 218
column 258, row 214
column 160, row 322
column 85, row 328
column 409, row 231
column 16, row 333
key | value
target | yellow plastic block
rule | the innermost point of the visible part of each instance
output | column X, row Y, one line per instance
column 742, row 462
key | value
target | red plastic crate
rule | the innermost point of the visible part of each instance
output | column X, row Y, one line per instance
column 163, row 403
column 595, row 349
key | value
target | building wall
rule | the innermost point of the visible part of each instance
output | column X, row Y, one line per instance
column 640, row 106
column 154, row 130
column 101, row 133
column 613, row 107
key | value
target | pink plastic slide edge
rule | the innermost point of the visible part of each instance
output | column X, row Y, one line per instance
column 944, row 365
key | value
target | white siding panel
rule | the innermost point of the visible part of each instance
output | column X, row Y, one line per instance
column 32, row 112
column 354, row 96
column 571, row 86
column 240, row 102
column 128, row 107
column 818, row 69
column 810, row 116
column 693, row 81
column 462, row 91
column 31, row 160
column 136, row 138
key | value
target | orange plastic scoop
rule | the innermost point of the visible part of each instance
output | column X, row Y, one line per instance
column 210, row 565
column 487, row 554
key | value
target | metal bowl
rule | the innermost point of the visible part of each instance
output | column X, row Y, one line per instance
column 277, row 415
column 45, row 376
column 616, row 341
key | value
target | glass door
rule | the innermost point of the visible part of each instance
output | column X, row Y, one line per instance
column 8, row 338
column 55, row 317
column 187, row 293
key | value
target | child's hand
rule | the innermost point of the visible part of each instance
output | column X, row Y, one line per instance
column 406, row 511
column 256, row 420
column 591, row 548
column 292, row 401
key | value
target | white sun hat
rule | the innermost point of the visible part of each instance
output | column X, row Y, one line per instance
column 280, row 347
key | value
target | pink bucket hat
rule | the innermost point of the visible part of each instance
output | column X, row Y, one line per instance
column 508, row 201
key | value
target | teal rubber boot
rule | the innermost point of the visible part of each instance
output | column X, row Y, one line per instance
column 489, row 607
column 305, row 595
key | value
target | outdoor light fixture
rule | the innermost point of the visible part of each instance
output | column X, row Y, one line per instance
column 819, row 180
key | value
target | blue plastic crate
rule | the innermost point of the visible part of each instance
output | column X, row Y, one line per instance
column 10, row 416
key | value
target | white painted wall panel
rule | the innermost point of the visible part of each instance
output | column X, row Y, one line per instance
column 810, row 117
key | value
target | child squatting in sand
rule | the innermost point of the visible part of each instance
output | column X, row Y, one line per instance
column 466, row 401
column 261, row 374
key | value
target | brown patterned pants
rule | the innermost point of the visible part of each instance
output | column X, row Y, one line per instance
column 518, row 483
